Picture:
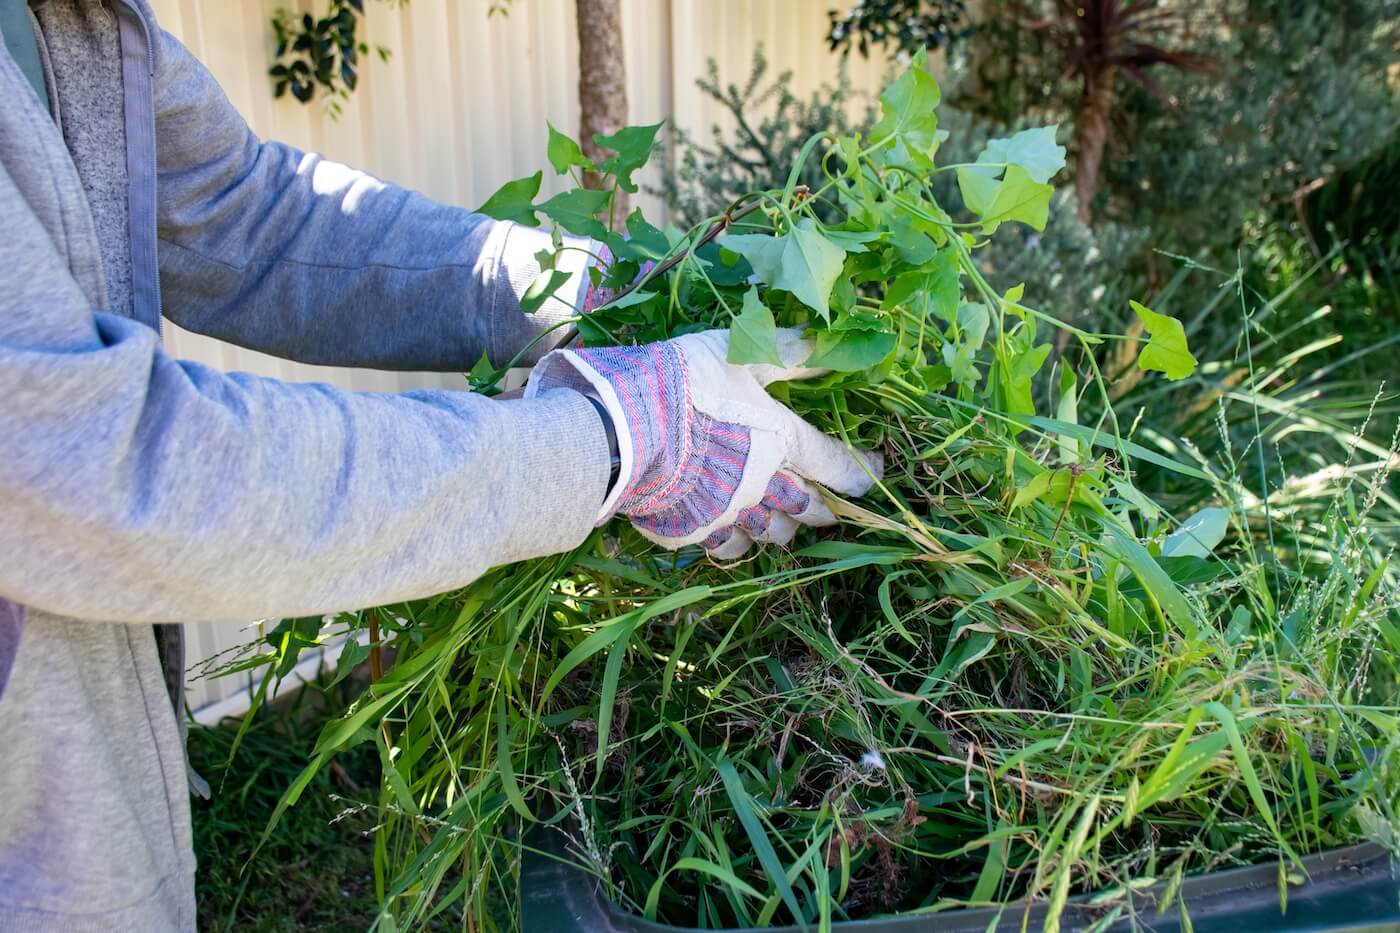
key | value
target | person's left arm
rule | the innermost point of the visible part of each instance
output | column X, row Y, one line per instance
column 288, row 253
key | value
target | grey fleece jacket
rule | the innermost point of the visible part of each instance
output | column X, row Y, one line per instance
column 138, row 489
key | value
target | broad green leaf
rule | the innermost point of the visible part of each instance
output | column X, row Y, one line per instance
column 973, row 321
column 643, row 240
column 576, row 211
column 932, row 288
column 852, row 241
column 483, row 374
column 564, row 153
column 802, row 261
column 1166, row 350
column 1033, row 150
column 1015, row 197
column 851, row 351
column 907, row 110
column 542, row 289
column 1017, row 375
column 352, row 654
column 753, row 337
column 514, row 201
column 1198, row 535
column 632, row 145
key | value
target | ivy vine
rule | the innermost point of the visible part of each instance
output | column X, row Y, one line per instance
column 324, row 53
column 321, row 53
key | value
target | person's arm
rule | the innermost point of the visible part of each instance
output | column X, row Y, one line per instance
column 139, row 488
column 285, row 252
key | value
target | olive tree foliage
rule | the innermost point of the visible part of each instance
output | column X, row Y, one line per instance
column 1300, row 91
column 898, row 26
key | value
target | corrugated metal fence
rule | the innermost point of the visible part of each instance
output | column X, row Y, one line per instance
column 461, row 107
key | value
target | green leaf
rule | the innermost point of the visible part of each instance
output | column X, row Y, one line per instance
column 483, row 374
column 542, row 289
column 907, row 111
column 643, row 240
column 513, row 201
column 1015, row 197
column 758, row 838
column 352, row 655
column 851, row 351
column 1017, row 374
column 1153, row 578
column 564, row 153
column 1068, row 410
column 753, row 336
column 576, row 211
column 1166, row 350
column 801, row 261
column 1033, row 150
column 633, row 147
column 1198, row 535
column 509, row 783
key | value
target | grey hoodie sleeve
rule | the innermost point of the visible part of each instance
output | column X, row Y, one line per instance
column 140, row 488
column 285, row 252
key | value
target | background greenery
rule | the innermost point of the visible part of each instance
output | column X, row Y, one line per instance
column 1252, row 197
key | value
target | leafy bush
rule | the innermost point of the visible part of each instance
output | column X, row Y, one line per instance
column 770, row 126
column 1048, row 655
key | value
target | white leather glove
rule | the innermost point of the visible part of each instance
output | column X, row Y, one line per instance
column 707, row 454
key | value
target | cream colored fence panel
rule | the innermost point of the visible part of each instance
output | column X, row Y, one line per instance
column 461, row 107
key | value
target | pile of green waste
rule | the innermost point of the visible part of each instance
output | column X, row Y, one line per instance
column 1071, row 643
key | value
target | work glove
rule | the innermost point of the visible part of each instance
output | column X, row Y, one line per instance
column 707, row 455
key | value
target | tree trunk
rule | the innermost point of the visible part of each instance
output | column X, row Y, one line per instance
column 602, row 84
column 1092, row 130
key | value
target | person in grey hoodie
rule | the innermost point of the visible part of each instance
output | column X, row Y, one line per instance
column 138, row 491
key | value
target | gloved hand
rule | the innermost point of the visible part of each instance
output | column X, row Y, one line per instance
column 707, row 454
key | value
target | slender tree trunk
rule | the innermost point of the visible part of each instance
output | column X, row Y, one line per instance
column 602, row 83
column 1092, row 129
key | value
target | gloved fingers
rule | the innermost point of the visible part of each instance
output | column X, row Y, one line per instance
column 793, row 351
column 824, row 459
column 728, row 543
column 813, row 511
column 782, row 528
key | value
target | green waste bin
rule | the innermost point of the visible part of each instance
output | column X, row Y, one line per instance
column 1354, row 889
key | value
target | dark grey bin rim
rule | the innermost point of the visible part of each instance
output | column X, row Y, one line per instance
column 1354, row 889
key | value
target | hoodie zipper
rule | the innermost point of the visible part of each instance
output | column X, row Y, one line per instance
column 138, row 98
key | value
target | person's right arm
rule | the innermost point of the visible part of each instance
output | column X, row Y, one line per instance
column 141, row 488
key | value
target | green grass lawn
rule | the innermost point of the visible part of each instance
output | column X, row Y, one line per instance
column 316, row 870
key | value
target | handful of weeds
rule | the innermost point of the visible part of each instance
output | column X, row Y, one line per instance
column 1012, row 673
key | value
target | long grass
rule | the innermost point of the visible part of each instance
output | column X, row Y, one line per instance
column 1148, row 632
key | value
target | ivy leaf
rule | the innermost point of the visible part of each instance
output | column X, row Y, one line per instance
column 907, row 108
column 482, row 375
column 801, row 261
column 851, row 351
column 564, row 153
column 1166, row 350
column 576, row 211
column 1016, row 379
column 753, row 335
column 643, row 240
column 852, row 241
column 633, row 147
column 1033, row 150
column 514, row 201
column 932, row 288
column 542, row 289
column 1014, row 197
